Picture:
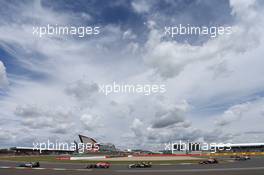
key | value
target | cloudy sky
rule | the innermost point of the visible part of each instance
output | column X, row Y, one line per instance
column 49, row 85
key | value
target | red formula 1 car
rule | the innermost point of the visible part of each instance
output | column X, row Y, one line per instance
column 99, row 165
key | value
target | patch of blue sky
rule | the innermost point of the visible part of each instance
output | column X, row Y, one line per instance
column 195, row 13
column 14, row 67
column 218, row 105
column 164, row 13
column 101, row 11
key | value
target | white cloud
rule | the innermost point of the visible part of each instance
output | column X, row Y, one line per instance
column 172, row 115
column 233, row 114
column 82, row 90
column 141, row 6
column 34, row 117
column 6, row 135
column 137, row 127
column 91, row 122
column 169, row 58
column 3, row 78
column 129, row 35
column 241, row 122
column 240, row 6
column 64, row 99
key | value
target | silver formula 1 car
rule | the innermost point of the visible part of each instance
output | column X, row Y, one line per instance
column 140, row 165
column 29, row 165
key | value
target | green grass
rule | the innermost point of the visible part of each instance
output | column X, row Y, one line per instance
column 53, row 159
column 31, row 158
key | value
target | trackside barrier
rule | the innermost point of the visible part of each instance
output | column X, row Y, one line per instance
column 238, row 153
column 165, row 155
column 203, row 154
column 63, row 158
column 87, row 158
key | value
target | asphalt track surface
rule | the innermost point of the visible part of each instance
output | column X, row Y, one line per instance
column 250, row 167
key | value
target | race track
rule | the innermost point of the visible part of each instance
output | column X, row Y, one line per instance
column 250, row 167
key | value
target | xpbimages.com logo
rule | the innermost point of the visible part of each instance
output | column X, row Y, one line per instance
column 182, row 146
column 65, row 146
column 212, row 31
column 145, row 89
column 56, row 30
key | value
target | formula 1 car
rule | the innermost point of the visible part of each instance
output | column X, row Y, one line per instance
column 241, row 158
column 29, row 165
column 140, row 165
column 209, row 161
column 99, row 165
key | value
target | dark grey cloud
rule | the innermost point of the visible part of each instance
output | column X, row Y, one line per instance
column 168, row 118
column 35, row 117
column 254, row 132
column 82, row 90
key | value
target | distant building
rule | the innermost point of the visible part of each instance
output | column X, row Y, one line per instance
column 103, row 147
column 85, row 139
column 36, row 151
column 107, row 147
column 244, row 147
column 199, row 148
